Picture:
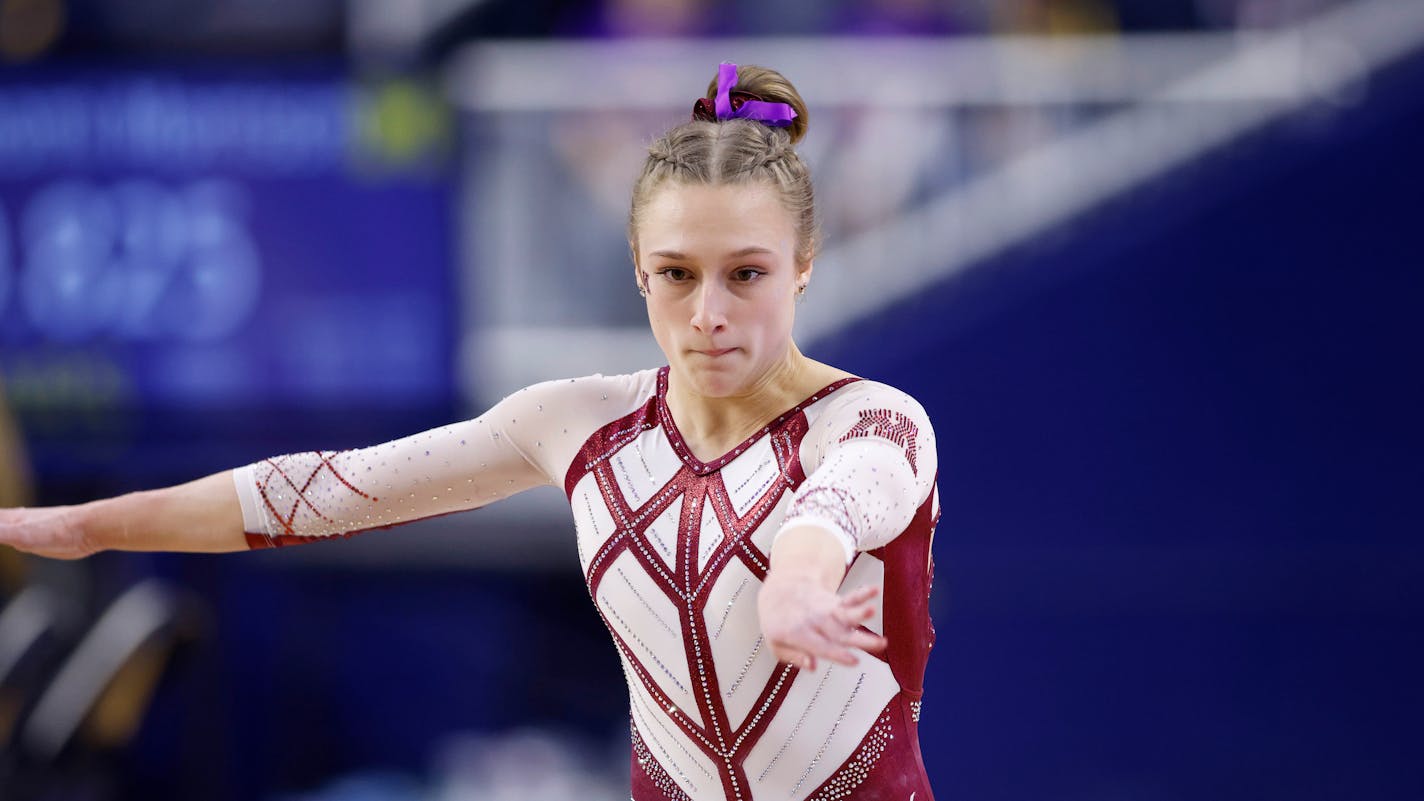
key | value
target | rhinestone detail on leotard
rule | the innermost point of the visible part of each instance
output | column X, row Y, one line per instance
column 857, row 768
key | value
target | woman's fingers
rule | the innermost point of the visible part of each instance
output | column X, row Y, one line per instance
column 795, row 657
column 831, row 642
column 867, row 641
column 12, row 517
column 853, row 615
column 812, row 642
column 46, row 532
column 824, row 627
column 851, row 635
column 859, row 604
column 860, row 595
column 12, row 527
column 838, row 652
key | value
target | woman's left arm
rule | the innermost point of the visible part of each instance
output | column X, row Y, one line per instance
column 802, row 616
column 875, row 468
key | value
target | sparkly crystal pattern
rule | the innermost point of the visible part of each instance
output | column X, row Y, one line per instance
column 831, row 504
column 857, row 769
column 674, row 550
column 659, row 778
column 285, row 485
column 887, row 424
column 524, row 441
column 715, row 716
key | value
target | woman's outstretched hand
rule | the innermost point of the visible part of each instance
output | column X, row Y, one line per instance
column 802, row 617
column 202, row 516
column 51, row 531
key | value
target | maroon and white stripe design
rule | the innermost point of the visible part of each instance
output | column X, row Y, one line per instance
column 282, row 485
column 674, row 551
column 887, row 424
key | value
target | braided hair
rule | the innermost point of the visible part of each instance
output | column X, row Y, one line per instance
column 736, row 151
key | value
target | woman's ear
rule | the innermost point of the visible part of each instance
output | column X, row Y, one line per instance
column 803, row 276
column 639, row 278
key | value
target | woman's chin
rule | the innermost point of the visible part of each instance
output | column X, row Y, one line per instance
column 714, row 380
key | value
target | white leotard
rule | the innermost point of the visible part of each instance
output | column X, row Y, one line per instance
column 674, row 551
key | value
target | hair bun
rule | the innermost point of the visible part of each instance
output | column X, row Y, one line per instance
column 772, row 87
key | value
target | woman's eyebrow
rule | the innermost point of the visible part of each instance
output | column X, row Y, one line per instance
column 679, row 256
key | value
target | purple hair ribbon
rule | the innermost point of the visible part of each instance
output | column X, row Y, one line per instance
column 777, row 115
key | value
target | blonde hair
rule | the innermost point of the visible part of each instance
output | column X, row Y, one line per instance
column 736, row 151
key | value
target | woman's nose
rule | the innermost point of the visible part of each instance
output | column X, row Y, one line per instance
column 709, row 314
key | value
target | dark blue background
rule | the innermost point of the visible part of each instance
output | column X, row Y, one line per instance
column 1180, row 552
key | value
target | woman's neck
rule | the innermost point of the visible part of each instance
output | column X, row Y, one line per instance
column 712, row 426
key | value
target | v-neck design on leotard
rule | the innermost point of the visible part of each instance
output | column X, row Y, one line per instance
column 673, row 551
column 702, row 468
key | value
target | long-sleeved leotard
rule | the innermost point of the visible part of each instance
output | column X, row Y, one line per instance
column 674, row 551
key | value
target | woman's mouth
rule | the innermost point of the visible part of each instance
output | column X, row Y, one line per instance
column 715, row 353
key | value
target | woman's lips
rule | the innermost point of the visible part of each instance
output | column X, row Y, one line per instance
column 715, row 353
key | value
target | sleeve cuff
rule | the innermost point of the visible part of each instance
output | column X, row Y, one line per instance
column 251, row 516
column 846, row 540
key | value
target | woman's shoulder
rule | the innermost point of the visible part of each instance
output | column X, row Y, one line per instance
column 866, row 395
column 594, row 391
column 549, row 421
column 864, row 410
column 843, row 390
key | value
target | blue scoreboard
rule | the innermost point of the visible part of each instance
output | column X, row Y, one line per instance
column 200, row 268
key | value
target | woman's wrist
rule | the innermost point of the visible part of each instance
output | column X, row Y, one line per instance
column 102, row 525
column 808, row 552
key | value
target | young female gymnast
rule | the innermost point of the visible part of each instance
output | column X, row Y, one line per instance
column 754, row 526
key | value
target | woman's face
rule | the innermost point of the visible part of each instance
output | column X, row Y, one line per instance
column 719, row 265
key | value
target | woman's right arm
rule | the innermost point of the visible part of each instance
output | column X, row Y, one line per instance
column 524, row 441
column 201, row 516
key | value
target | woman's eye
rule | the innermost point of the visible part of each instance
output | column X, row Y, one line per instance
column 673, row 273
column 748, row 274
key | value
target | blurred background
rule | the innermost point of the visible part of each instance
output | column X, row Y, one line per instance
column 1152, row 266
